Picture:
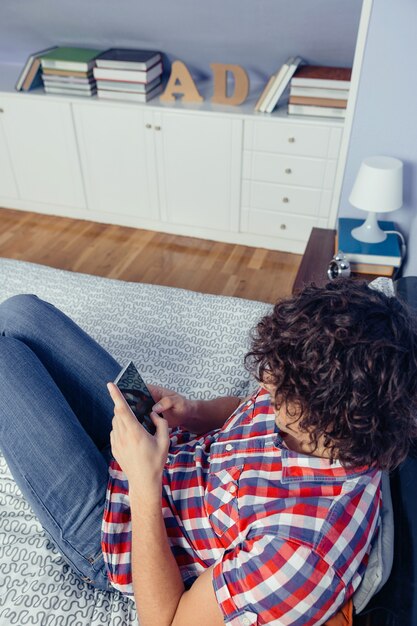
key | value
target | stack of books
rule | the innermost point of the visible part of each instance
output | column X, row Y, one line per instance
column 277, row 85
column 379, row 259
column 69, row 71
column 129, row 74
column 320, row 91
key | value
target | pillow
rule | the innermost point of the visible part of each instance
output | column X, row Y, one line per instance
column 382, row 553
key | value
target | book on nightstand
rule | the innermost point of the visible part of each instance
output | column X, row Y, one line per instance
column 369, row 258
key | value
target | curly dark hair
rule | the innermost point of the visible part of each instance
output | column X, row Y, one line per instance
column 346, row 355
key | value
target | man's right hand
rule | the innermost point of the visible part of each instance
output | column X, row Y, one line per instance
column 197, row 416
column 177, row 409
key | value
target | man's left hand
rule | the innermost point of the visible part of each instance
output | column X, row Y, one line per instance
column 141, row 455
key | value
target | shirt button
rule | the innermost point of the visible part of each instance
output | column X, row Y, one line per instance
column 246, row 621
column 233, row 488
column 229, row 447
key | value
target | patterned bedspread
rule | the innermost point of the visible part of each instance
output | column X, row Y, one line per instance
column 188, row 341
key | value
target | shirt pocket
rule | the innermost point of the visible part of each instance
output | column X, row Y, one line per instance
column 221, row 502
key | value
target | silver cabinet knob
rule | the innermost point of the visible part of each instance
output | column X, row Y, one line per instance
column 283, row 226
column 285, row 199
column 148, row 126
column 157, row 128
column 1, row 110
column 291, row 139
column 288, row 170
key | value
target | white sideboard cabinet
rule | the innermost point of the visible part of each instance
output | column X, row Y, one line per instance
column 8, row 187
column 288, row 178
column 117, row 160
column 221, row 173
column 199, row 169
column 39, row 136
column 161, row 167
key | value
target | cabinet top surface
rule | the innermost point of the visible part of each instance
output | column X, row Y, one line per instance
column 9, row 73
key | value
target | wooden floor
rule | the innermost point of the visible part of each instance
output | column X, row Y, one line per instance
column 147, row 256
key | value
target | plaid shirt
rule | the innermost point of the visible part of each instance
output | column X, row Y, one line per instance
column 288, row 534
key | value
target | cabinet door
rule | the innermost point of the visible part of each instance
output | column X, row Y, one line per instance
column 199, row 159
column 41, row 140
column 117, row 155
column 8, row 187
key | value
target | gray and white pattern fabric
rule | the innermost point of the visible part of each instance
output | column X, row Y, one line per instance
column 191, row 342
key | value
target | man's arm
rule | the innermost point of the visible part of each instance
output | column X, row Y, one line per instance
column 160, row 595
column 159, row 591
column 197, row 416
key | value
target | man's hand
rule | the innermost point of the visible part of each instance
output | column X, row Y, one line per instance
column 177, row 409
column 197, row 416
column 140, row 455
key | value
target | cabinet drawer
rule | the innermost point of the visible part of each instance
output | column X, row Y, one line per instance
column 284, row 170
column 271, row 224
column 292, row 139
column 279, row 198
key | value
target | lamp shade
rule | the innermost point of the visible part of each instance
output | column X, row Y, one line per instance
column 379, row 185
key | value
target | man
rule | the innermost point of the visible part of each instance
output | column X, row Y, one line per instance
column 270, row 505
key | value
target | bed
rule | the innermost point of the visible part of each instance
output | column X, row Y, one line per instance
column 188, row 341
column 184, row 340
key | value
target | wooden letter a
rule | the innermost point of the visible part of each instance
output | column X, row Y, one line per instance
column 180, row 83
column 241, row 79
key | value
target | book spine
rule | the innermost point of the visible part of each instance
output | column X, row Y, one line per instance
column 81, row 74
column 128, row 75
column 373, row 260
column 70, row 66
column 264, row 92
column 321, row 102
column 322, row 83
column 368, row 268
column 70, row 92
column 283, row 84
column 29, row 80
column 279, row 77
column 319, row 92
column 301, row 109
column 23, row 74
column 127, row 65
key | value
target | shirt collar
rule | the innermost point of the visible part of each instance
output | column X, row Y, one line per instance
column 298, row 467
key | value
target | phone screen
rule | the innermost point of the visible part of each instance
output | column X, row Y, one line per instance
column 137, row 395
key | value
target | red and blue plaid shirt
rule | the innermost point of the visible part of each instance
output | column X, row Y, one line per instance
column 288, row 534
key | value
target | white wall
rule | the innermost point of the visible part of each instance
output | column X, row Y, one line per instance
column 257, row 34
column 385, row 121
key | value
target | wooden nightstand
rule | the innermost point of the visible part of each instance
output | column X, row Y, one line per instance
column 316, row 258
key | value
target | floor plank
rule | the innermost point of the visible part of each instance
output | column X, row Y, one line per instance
column 147, row 256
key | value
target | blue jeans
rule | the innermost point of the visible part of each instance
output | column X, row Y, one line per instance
column 55, row 423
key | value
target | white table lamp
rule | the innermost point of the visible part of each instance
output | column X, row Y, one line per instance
column 378, row 188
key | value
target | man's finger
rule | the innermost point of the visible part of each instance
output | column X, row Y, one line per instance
column 156, row 391
column 116, row 395
column 163, row 404
column 161, row 425
column 120, row 403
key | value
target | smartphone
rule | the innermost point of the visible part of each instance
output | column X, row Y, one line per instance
column 137, row 395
